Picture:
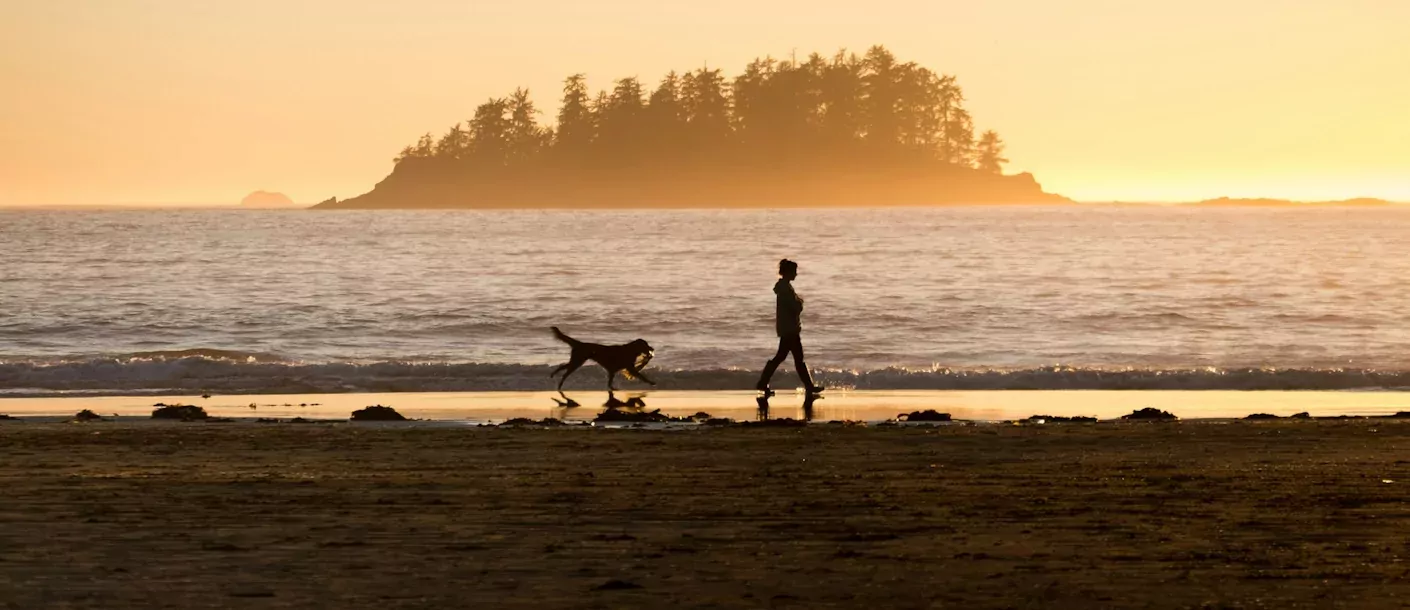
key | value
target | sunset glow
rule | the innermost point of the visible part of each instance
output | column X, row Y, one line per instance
column 171, row 101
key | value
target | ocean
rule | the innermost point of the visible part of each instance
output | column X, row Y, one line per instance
column 1062, row 297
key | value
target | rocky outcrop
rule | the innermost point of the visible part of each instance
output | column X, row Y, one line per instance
column 434, row 184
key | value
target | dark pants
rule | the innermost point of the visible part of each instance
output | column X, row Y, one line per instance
column 787, row 344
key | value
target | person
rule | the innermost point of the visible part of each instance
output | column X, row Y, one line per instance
column 789, row 326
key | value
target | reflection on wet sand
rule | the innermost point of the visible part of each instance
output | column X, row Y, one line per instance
column 764, row 408
column 859, row 405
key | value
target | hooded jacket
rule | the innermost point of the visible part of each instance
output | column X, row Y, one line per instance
column 790, row 310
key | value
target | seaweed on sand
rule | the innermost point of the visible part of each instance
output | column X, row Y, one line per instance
column 180, row 412
column 656, row 416
column 547, row 422
column 926, row 415
column 377, row 413
column 1149, row 414
column 1058, row 419
column 783, row 422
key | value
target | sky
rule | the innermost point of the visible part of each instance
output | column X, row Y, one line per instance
column 193, row 101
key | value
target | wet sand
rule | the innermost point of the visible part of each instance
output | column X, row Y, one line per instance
column 1258, row 515
column 839, row 404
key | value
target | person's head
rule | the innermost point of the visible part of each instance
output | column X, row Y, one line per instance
column 788, row 269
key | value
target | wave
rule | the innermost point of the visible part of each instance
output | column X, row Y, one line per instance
column 221, row 355
column 200, row 371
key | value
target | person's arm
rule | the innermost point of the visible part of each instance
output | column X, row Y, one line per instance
column 791, row 301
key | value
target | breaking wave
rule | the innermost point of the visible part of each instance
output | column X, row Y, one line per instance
column 199, row 371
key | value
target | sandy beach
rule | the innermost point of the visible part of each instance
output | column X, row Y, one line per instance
column 1240, row 514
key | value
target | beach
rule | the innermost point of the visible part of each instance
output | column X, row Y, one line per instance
column 1277, row 514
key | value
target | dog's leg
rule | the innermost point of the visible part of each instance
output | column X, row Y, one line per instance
column 572, row 366
column 611, row 377
column 558, row 370
column 642, row 377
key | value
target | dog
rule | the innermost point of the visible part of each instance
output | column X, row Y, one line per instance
column 627, row 359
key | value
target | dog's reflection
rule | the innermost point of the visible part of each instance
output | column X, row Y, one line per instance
column 633, row 401
column 566, row 402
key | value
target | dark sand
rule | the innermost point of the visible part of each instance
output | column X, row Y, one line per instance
column 1258, row 515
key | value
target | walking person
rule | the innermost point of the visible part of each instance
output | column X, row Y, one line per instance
column 789, row 327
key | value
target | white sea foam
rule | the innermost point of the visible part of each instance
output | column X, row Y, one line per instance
column 197, row 374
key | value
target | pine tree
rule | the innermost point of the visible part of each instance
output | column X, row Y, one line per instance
column 842, row 92
column 881, row 80
column 453, row 144
column 706, row 106
column 575, row 130
column 526, row 138
column 989, row 153
column 490, row 133
column 425, row 147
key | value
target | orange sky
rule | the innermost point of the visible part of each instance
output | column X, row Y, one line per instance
column 187, row 101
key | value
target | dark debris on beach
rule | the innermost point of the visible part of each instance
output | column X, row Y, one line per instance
column 524, row 422
column 179, row 412
column 782, row 422
column 1149, row 414
column 377, row 413
column 1058, row 419
column 928, row 415
column 646, row 417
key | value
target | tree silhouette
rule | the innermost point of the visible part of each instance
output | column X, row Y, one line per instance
column 526, row 138
column 989, row 153
column 842, row 93
column 575, row 128
column 705, row 104
column 665, row 119
column 491, row 134
column 454, row 143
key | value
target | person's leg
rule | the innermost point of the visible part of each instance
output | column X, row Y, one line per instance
column 773, row 364
column 796, row 346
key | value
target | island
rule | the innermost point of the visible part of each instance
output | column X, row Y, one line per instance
column 266, row 199
column 845, row 130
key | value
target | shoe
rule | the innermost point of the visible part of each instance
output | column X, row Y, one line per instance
column 817, row 389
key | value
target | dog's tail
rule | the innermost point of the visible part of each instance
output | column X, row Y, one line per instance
column 558, row 334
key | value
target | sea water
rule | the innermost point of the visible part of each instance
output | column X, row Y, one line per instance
column 1058, row 297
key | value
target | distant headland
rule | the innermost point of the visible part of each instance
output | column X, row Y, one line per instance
column 1226, row 202
column 266, row 199
column 845, row 130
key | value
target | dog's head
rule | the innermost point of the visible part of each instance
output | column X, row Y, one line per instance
column 643, row 351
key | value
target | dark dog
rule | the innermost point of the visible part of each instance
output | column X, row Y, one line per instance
column 626, row 359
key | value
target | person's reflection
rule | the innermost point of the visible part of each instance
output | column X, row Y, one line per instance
column 808, row 412
column 808, row 401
